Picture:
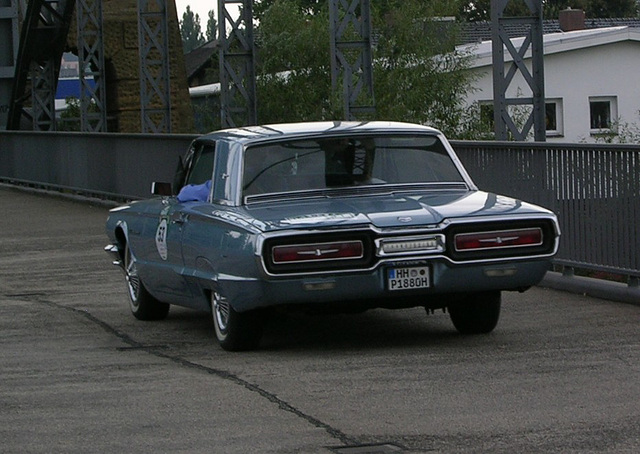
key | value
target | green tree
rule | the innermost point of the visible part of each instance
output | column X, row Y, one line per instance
column 294, row 64
column 302, row 6
column 190, row 30
column 417, row 76
column 212, row 26
column 70, row 117
column 611, row 8
column 480, row 10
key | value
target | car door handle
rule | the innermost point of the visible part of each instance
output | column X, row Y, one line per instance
column 180, row 219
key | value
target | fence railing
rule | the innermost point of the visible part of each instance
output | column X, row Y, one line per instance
column 594, row 189
column 111, row 166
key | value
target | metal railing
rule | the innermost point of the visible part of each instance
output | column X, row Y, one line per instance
column 594, row 189
column 102, row 165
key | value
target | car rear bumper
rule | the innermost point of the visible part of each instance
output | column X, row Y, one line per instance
column 371, row 288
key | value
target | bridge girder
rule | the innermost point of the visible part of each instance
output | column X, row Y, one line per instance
column 9, row 43
column 238, row 103
column 351, row 60
column 42, row 42
column 503, row 119
column 155, row 92
column 93, row 109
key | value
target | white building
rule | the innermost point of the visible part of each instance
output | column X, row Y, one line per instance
column 591, row 81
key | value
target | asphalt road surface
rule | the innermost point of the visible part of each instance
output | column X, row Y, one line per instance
column 78, row 374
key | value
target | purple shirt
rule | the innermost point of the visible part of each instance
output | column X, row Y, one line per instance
column 195, row 192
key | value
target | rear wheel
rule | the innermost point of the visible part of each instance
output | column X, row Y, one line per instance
column 236, row 331
column 143, row 305
column 476, row 314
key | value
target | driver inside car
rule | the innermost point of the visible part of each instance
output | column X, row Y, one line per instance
column 195, row 192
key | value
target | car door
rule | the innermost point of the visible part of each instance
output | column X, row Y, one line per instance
column 204, row 230
column 174, row 217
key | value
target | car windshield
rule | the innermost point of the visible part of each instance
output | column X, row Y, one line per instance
column 325, row 163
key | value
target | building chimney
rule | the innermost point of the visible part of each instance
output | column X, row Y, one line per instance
column 571, row 19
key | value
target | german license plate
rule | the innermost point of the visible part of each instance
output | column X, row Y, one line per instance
column 408, row 278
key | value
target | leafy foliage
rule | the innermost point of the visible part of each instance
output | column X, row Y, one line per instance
column 293, row 56
column 212, row 26
column 610, row 8
column 418, row 76
column 480, row 10
column 621, row 132
column 476, row 10
column 70, row 117
column 260, row 7
column 190, row 30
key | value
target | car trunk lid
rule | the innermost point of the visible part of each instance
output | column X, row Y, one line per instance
column 382, row 211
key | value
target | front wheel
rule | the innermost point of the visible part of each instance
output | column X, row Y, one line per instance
column 236, row 331
column 476, row 314
column 143, row 305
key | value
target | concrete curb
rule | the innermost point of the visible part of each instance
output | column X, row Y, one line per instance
column 71, row 196
column 597, row 288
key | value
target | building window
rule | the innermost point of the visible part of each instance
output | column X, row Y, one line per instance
column 550, row 116
column 602, row 111
column 600, row 114
column 553, row 117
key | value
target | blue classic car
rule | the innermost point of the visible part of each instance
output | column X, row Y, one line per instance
column 341, row 216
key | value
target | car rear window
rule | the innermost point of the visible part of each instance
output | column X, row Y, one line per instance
column 324, row 163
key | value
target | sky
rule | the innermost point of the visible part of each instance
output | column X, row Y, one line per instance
column 200, row 7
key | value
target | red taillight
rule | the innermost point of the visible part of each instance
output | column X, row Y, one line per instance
column 498, row 239
column 318, row 252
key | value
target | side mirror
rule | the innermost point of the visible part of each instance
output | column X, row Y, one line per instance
column 163, row 189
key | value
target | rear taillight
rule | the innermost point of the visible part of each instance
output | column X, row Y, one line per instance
column 498, row 239
column 301, row 253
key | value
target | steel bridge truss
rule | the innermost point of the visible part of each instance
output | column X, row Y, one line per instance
column 93, row 111
column 505, row 108
column 42, row 42
column 155, row 92
column 46, row 26
column 351, row 61
column 238, row 106
column 9, row 40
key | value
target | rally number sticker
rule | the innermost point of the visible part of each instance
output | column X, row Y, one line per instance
column 161, row 238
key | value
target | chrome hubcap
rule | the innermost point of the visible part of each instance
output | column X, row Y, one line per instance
column 131, row 275
column 221, row 311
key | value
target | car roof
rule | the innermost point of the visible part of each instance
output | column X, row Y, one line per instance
column 321, row 128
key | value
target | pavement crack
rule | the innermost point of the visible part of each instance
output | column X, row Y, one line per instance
column 155, row 350
column 283, row 405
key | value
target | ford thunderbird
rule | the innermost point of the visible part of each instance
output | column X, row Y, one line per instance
column 343, row 216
